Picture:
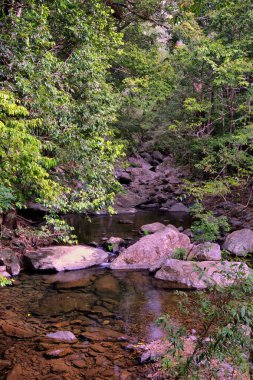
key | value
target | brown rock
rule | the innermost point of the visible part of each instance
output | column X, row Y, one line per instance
column 80, row 363
column 107, row 285
column 17, row 330
column 16, row 373
column 58, row 352
column 59, row 366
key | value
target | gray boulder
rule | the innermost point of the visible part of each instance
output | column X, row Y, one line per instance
column 201, row 275
column 60, row 258
column 239, row 242
column 151, row 250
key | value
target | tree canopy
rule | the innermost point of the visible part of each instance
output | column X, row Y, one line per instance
column 84, row 82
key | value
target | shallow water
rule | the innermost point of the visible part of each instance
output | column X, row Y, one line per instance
column 110, row 312
column 95, row 304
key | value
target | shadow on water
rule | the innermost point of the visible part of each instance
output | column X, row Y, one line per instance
column 98, row 227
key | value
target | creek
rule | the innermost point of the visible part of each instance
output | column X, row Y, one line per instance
column 110, row 312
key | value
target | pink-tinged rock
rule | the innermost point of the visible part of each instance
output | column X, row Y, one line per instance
column 62, row 336
column 239, row 242
column 201, row 275
column 60, row 258
column 206, row 252
column 151, row 250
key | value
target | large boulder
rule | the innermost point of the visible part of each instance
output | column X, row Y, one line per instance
column 239, row 242
column 206, row 252
column 152, row 227
column 201, row 275
column 60, row 258
column 151, row 250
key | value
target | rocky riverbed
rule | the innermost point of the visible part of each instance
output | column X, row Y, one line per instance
column 85, row 324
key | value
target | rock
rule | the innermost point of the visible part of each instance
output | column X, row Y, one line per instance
column 129, row 200
column 152, row 250
column 58, row 304
column 99, row 334
column 115, row 243
column 62, row 337
column 107, row 285
column 58, row 352
column 17, row 330
column 10, row 259
column 201, row 275
column 60, row 258
column 125, row 221
column 158, row 156
column 59, row 366
column 16, row 373
column 179, row 207
column 123, row 177
column 239, row 242
column 206, row 252
column 80, row 363
column 3, row 272
column 151, row 228
column 80, row 283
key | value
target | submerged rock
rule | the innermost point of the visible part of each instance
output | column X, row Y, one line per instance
column 239, row 242
column 201, row 275
column 151, row 250
column 107, row 285
column 17, row 330
column 62, row 336
column 60, row 258
column 152, row 227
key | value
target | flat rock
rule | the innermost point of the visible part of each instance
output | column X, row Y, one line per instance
column 62, row 336
column 58, row 352
column 61, row 258
column 18, row 330
column 240, row 242
column 151, row 250
column 58, row 304
column 104, row 334
column 152, row 227
column 107, row 285
column 201, row 275
column 80, row 283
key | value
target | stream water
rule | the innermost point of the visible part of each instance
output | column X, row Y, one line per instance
column 110, row 312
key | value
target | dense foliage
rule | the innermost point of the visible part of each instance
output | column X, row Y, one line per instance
column 55, row 59
column 177, row 75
